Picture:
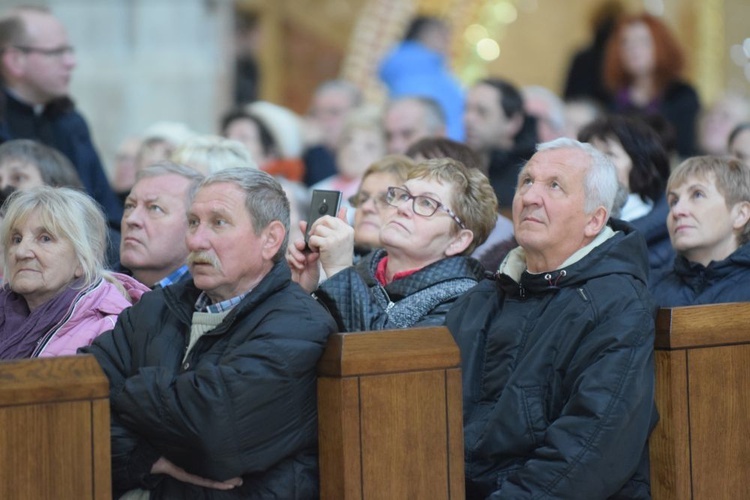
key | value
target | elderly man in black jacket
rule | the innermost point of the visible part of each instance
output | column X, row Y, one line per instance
column 212, row 381
column 557, row 349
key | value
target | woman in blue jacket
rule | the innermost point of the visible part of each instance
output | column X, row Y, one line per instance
column 709, row 200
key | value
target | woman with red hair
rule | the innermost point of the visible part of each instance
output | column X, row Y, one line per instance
column 642, row 69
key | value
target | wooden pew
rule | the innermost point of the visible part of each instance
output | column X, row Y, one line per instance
column 390, row 416
column 54, row 429
column 700, row 449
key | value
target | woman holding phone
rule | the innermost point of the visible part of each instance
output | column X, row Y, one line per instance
column 431, row 224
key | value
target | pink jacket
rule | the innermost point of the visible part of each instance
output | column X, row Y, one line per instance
column 91, row 315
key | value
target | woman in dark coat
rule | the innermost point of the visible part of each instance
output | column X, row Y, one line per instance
column 433, row 222
column 709, row 225
column 642, row 70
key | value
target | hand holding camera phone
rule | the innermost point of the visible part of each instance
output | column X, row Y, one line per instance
column 323, row 203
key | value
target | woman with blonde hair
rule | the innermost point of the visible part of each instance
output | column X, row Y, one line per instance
column 57, row 296
column 709, row 226
column 432, row 223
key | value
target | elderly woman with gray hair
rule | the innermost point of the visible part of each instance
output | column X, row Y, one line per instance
column 57, row 296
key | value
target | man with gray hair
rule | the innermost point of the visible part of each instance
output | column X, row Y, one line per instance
column 154, row 224
column 409, row 119
column 213, row 380
column 557, row 349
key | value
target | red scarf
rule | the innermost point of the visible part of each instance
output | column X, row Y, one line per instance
column 380, row 272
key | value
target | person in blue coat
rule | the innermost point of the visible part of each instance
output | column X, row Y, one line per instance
column 417, row 67
column 557, row 349
column 709, row 215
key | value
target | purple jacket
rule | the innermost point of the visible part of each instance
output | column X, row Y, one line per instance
column 90, row 315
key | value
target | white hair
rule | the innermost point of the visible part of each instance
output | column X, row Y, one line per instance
column 600, row 184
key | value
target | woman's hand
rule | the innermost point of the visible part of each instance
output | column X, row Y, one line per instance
column 333, row 239
column 164, row 466
column 303, row 264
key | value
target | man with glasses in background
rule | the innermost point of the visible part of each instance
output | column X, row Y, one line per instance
column 36, row 64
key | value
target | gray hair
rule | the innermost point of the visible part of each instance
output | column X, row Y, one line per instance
column 434, row 115
column 211, row 153
column 265, row 199
column 55, row 168
column 345, row 86
column 170, row 168
column 65, row 213
column 600, row 184
column 556, row 107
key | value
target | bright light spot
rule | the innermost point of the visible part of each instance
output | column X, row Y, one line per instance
column 655, row 7
column 505, row 12
column 737, row 54
column 474, row 33
column 488, row 49
column 746, row 47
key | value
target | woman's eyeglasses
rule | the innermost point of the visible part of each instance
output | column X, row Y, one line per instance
column 421, row 205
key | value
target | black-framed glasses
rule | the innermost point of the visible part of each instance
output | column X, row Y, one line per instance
column 361, row 198
column 420, row 204
column 65, row 50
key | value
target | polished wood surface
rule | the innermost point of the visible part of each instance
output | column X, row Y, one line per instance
column 390, row 416
column 703, row 326
column 365, row 353
column 54, row 429
column 699, row 448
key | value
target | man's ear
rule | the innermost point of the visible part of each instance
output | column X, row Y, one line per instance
column 740, row 215
column 460, row 242
column 11, row 63
column 273, row 237
column 596, row 222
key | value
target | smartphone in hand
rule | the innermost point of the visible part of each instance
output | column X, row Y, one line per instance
column 322, row 203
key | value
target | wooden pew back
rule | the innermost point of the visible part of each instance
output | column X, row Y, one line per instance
column 390, row 416
column 699, row 449
column 54, row 429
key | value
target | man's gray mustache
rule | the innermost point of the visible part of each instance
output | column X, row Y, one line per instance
column 203, row 258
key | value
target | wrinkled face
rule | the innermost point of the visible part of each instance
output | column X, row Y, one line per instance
column 359, row 149
column 368, row 219
column 405, row 123
column 227, row 258
column 612, row 148
column 44, row 76
column 740, row 146
column 637, row 49
column 486, row 124
column 19, row 175
column 329, row 110
column 40, row 264
column 153, row 227
column 701, row 225
column 246, row 131
column 548, row 207
column 423, row 239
